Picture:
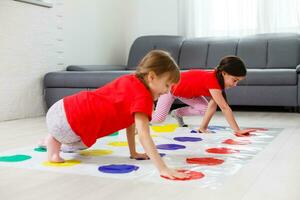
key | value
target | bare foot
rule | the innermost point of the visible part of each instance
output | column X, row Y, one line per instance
column 56, row 159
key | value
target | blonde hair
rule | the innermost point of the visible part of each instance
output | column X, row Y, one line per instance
column 160, row 62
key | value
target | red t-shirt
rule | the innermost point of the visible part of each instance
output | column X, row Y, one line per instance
column 94, row 114
column 195, row 83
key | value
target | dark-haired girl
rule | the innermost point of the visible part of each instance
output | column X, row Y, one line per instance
column 203, row 91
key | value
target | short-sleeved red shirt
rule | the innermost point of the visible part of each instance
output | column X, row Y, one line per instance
column 94, row 114
column 195, row 83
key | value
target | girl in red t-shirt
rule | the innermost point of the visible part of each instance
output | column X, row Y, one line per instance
column 203, row 91
column 126, row 102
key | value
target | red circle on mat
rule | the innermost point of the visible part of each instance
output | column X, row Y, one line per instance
column 193, row 175
column 204, row 161
column 222, row 150
column 235, row 142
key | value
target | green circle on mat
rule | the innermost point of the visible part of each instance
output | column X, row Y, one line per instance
column 114, row 134
column 14, row 158
column 40, row 149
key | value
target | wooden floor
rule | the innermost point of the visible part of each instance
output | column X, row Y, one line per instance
column 273, row 174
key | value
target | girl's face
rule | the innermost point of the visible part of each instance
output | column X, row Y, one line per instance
column 231, row 81
column 158, row 84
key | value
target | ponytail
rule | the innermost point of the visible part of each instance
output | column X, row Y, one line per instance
column 220, row 79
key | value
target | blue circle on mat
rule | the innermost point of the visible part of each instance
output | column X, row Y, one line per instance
column 194, row 131
column 187, row 139
column 118, row 169
column 170, row 146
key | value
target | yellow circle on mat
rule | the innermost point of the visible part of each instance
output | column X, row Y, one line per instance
column 165, row 128
column 118, row 144
column 67, row 163
column 95, row 152
column 153, row 135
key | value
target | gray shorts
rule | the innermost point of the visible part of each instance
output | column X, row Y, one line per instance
column 58, row 125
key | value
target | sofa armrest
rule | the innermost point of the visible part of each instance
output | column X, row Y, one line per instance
column 81, row 79
column 95, row 67
column 298, row 69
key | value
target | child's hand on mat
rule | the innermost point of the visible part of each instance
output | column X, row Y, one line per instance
column 203, row 130
column 139, row 156
column 245, row 131
column 173, row 174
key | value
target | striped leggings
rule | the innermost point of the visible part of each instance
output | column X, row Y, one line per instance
column 196, row 106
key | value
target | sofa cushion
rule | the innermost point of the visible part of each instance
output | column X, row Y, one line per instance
column 283, row 51
column 270, row 77
column 193, row 54
column 253, row 51
column 218, row 48
column 204, row 53
column 144, row 44
column 263, row 95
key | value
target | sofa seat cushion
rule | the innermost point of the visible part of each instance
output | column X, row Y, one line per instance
column 270, row 77
column 81, row 79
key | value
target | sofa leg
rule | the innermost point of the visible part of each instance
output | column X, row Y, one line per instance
column 294, row 109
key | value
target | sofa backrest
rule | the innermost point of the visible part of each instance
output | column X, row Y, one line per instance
column 142, row 45
column 280, row 50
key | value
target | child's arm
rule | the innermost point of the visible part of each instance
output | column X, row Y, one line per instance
column 211, row 109
column 130, row 132
column 226, row 110
column 142, row 125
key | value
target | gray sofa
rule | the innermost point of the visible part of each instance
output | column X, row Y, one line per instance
column 272, row 61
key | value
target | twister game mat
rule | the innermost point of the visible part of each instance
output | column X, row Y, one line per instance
column 208, row 158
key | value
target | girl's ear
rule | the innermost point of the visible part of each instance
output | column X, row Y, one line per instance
column 151, row 76
column 223, row 73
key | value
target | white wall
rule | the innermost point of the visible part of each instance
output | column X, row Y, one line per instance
column 152, row 17
column 30, row 46
column 35, row 40
column 155, row 17
column 101, row 32
column 95, row 31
